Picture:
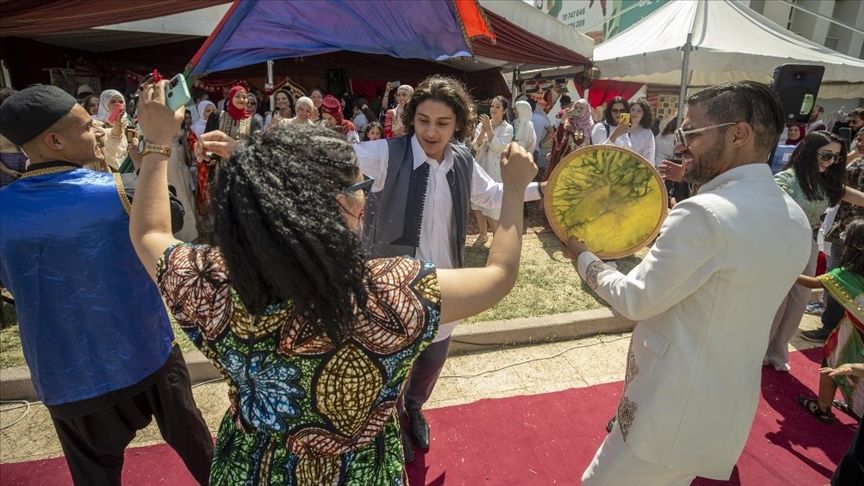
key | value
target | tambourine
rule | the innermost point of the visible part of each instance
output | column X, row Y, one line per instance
column 609, row 197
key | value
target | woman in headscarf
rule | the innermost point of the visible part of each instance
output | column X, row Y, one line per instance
column 304, row 108
column 237, row 123
column 235, row 120
column 331, row 116
column 794, row 134
column 573, row 132
column 523, row 128
column 393, row 124
column 115, row 145
column 205, row 109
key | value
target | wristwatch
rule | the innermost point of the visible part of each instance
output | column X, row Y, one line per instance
column 145, row 147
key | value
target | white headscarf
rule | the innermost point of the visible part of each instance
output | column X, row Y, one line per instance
column 104, row 99
column 523, row 128
column 304, row 100
column 201, row 123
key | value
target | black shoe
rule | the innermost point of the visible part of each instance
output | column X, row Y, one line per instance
column 611, row 424
column 419, row 428
column 407, row 448
column 816, row 335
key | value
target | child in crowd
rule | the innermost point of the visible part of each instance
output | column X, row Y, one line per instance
column 845, row 345
column 373, row 131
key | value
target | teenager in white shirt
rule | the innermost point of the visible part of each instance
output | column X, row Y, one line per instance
column 425, row 184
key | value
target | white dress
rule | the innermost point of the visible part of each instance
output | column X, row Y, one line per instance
column 180, row 177
column 489, row 158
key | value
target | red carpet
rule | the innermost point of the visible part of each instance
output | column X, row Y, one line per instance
column 550, row 439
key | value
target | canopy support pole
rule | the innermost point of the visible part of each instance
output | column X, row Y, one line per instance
column 685, row 77
column 270, row 85
column 516, row 81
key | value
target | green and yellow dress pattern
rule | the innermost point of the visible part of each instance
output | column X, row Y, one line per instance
column 846, row 342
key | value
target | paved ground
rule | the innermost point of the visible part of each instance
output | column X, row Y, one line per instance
column 494, row 374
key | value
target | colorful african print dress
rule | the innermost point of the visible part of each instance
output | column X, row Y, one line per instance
column 303, row 410
column 846, row 342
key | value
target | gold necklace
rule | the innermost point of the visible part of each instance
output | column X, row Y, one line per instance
column 47, row 170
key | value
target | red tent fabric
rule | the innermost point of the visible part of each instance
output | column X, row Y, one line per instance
column 604, row 90
column 514, row 44
column 29, row 17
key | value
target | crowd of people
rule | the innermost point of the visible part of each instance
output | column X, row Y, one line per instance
column 315, row 254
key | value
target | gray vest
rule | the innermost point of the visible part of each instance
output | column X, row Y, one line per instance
column 394, row 214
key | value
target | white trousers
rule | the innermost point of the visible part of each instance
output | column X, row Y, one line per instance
column 615, row 465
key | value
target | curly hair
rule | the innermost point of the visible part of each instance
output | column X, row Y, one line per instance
column 853, row 247
column 446, row 90
column 369, row 127
column 647, row 116
column 281, row 230
column 607, row 114
column 804, row 162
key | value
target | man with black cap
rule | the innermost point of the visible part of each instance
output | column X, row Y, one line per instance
column 94, row 329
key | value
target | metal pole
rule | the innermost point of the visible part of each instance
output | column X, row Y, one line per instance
column 513, row 84
column 685, row 78
column 270, row 85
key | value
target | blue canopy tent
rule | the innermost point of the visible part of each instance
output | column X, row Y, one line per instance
column 252, row 32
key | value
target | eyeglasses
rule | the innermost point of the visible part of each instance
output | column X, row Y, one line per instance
column 681, row 134
column 365, row 186
column 828, row 156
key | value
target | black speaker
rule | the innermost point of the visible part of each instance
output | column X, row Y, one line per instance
column 797, row 86
column 337, row 82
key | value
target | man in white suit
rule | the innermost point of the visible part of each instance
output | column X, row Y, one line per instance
column 703, row 296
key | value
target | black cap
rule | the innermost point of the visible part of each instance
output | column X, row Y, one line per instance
column 31, row 111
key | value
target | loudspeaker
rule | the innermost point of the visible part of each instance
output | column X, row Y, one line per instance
column 337, row 82
column 797, row 86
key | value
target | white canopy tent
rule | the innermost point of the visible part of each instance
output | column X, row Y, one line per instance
column 728, row 42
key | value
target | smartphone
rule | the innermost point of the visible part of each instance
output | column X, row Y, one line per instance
column 177, row 93
column 116, row 113
column 625, row 118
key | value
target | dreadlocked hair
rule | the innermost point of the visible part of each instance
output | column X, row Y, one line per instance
column 853, row 247
column 281, row 230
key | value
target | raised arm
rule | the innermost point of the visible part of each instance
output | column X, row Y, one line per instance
column 468, row 291
column 853, row 196
column 150, row 223
column 809, row 282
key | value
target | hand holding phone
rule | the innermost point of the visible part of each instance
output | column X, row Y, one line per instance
column 625, row 118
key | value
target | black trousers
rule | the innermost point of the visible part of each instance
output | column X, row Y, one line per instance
column 424, row 375
column 95, row 432
column 850, row 471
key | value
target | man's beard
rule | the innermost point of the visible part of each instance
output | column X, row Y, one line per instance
column 705, row 167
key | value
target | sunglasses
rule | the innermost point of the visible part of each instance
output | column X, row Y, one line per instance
column 682, row 136
column 828, row 156
column 618, row 111
column 365, row 185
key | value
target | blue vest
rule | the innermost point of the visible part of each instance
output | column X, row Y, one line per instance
column 91, row 319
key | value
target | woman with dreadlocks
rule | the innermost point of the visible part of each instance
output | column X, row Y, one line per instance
column 314, row 340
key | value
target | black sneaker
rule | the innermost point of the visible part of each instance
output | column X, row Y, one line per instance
column 816, row 335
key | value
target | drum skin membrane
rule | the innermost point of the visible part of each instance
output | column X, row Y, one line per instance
column 609, row 197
